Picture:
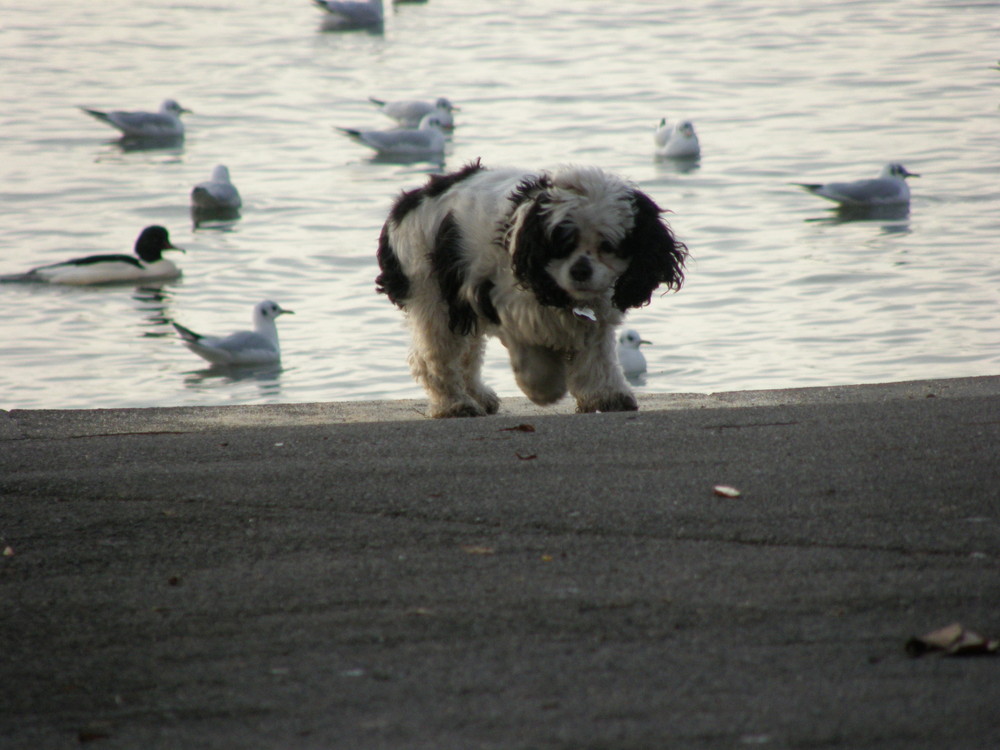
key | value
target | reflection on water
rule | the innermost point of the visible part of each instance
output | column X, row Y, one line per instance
column 335, row 23
column 437, row 160
column 266, row 378
column 116, row 151
column 873, row 213
column 898, row 217
column 678, row 164
column 131, row 143
column 153, row 303
column 214, row 218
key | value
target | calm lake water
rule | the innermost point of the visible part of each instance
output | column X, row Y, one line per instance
column 780, row 292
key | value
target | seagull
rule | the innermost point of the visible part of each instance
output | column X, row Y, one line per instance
column 256, row 347
column 216, row 194
column 409, row 112
column 150, row 265
column 888, row 189
column 677, row 142
column 632, row 360
column 163, row 124
column 352, row 14
column 427, row 140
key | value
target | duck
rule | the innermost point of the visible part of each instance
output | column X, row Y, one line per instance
column 427, row 140
column 409, row 112
column 887, row 190
column 163, row 124
column 216, row 194
column 148, row 264
column 256, row 347
column 676, row 142
column 632, row 360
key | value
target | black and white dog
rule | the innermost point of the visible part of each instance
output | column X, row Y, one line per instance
column 547, row 262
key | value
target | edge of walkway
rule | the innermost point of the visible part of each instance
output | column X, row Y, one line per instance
column 19, row 424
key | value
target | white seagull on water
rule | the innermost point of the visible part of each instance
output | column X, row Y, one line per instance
column 888, row 189
column 163, row 124
column 409, row 112
column 678, row 141
column 427, row 140
column 352, row 14
column 216, row 194
column 632, row 360
column 256, row 347
column 148, row 264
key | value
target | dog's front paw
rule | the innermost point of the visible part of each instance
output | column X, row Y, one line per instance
column 607, row 402
column 488, row 400
column 458, row 409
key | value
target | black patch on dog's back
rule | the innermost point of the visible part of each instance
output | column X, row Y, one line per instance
column 392, row 282
column 450, row 269
column 406, row 202
column 436, row 184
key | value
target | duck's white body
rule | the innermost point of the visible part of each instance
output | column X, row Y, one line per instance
column 409, row 112
column 256, row 347
column 163, row 124
column 427, row 140
column 108, row 270
column 218, row 193
column 146, row 265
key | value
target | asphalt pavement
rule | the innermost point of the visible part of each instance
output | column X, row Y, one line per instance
column 355, row 575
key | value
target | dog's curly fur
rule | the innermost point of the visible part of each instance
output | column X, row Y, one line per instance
column 547, row 262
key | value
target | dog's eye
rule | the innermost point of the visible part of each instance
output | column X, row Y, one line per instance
column 564, row 239
column 610, row 248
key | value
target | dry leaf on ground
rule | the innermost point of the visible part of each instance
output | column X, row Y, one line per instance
column 953, row 640
column 724, row 490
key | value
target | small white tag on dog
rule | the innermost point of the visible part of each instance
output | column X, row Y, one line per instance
column 585, row 312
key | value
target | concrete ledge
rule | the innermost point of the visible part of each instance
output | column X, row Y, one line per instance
column 39, row 423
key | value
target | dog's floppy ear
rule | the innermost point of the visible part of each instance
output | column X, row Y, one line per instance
column 656, row 256
column 532, row 244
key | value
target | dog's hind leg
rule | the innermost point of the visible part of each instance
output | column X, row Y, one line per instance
column 472, row 365
column 440, row 361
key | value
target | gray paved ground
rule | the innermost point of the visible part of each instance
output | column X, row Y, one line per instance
column 356, row 576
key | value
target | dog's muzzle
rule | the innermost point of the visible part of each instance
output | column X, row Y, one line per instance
column 581, row 270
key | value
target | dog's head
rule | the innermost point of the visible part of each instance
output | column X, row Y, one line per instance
column 578, row 234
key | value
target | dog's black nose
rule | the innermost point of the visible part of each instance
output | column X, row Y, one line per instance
column 580, row 270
